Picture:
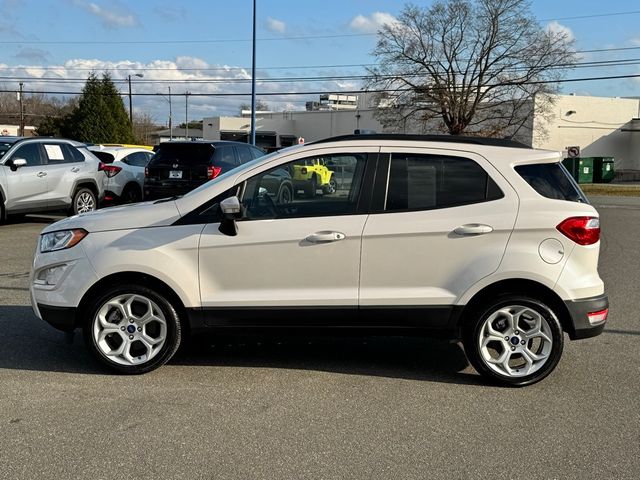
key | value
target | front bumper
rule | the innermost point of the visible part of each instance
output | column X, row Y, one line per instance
column 62, row 318
column 580, row 326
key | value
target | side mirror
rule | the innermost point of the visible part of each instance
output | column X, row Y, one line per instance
column 231, row 210
column 15, row 163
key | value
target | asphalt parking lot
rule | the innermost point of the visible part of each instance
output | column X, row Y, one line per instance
column 301, row 408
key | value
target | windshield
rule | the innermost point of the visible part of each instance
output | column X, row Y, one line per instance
column 4, row 146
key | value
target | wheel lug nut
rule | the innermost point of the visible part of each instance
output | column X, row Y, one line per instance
column 517, row 332
column 130, row 337
column 140, row 329
column 506, row 337
column 122, row 328
column 522, row 342
column 513, row 348
column 131, row 320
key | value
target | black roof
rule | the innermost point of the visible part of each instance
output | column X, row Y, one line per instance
column 494, row 142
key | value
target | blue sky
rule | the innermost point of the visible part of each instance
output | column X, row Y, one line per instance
column 182, row 44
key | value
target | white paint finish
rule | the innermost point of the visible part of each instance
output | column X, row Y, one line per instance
column 580, row 278
column 551, row 251
column 270, row 263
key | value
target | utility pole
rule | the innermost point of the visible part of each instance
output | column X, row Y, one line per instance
column 20, row 95
column 170, row 124
column 139, row 75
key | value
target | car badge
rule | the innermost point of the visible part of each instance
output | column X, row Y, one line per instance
column 175, row 165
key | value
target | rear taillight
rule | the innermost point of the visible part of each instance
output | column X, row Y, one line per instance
column 109, row 170
column 582, row 230
column 598, row 317
column 213, row 172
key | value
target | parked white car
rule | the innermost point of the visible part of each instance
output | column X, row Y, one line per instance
column 478, row 240
column 124, row 172
column 39, row 174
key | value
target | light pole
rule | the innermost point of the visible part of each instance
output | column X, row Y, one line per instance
column 170, row 125
column 139, row 75
column 186, row 114
column 20, row 96
column 253, row 80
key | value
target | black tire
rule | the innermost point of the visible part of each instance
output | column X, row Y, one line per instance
column 285, row 196
column 133, row 364
column 312, row 187
column 84, row 200
column 131, row 194
column 485, row 322
column 3, row 212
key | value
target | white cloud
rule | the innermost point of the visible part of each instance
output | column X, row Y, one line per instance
column 371, row 23
column 559, row 29
column 109, row 18
column 277, row 26
column 635, row 42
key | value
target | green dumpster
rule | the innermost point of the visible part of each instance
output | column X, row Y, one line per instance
column 580, row 168
column 603, row 171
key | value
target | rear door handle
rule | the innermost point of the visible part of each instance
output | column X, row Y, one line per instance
column 75, row 169
column 473, row 229
column 325, row 237
column 42, row 174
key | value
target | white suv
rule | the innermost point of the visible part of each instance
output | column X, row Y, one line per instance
column 124, row 172
column 479, row 240
column 38, row 174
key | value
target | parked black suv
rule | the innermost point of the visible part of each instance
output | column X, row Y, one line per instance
column 179, row 167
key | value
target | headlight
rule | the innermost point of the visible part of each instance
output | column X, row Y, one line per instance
column 50, row 242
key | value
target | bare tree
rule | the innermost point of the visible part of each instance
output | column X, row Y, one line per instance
column 468, row 66
column 261, row 106
column 143, row 127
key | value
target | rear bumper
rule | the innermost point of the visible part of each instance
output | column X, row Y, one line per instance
column 581, row 327
column 154, row 192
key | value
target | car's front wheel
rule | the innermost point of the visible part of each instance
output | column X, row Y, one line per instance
column 132, row 329
column 515, row 340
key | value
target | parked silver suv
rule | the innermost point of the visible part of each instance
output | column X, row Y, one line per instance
column 38, row 174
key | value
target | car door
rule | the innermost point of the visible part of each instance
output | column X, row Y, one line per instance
column 64, row 165
column 441, row 221
column 298, row 260
column 27, row 186
column 137, row 162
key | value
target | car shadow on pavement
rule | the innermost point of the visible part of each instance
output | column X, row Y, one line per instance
column 27, row 343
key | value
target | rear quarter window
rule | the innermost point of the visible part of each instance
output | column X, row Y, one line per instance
column 552, row 180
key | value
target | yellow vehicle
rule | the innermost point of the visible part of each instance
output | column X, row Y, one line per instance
column 311, row 175
column 147, row 147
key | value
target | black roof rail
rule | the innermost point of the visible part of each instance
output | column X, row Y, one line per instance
column 493, row 142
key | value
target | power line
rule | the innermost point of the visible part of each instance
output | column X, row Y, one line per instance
column 352, row 91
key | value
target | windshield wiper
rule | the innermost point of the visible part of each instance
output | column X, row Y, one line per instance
column 169, row 199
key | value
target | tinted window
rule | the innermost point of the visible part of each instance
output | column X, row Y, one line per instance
column 30, row 152
column 56, row 153
column 256, row 152
column 182, row 153
column 104, row 157
column 423, row 182
column 4, row 146
column 225, row 158
column 551, row 180
column 244, row 154
column 295, row 190
column 71, row 153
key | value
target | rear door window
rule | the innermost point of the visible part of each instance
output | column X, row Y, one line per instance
column 424, row 182
column 552, row 180
column 225, row 158
column 244, row 154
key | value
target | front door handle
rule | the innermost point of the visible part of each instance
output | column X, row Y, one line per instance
column 473, row 229
column 325, row 237
column 42, row 174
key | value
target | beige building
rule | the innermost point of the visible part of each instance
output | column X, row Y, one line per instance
column 599, row 126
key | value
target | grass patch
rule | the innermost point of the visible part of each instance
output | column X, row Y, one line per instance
column 611, row 189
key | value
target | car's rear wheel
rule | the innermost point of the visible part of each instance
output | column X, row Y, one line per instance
column 331, row 187
column 132, row 329
column 515, row 340
column 131, row 194
column 84, row 200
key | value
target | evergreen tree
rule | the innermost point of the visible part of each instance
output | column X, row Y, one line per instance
column 100, row 116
